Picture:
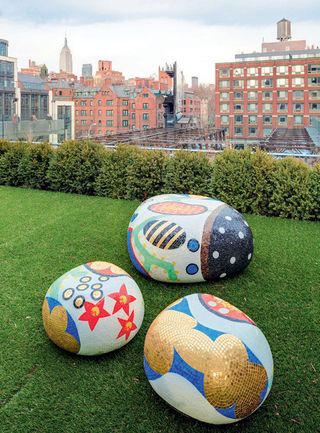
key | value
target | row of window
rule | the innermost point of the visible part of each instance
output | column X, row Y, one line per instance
column 109, row 102
column 109, row 123
column 266, row 119
column 281, row 94
column 269, row 82
column 109, row 113
column 268, row 70
column 283, row 106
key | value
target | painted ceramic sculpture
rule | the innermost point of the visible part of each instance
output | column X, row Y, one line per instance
column 93, row 309
column 208, row 360
column 186, row 238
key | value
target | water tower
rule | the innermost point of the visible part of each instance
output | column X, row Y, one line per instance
column 284, row 30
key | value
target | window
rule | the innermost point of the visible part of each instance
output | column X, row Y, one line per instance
column 298, row 107
column 282, row 82
column 146, row 95
column 314, row 81
column 267, row 132
column 282, row 119
column 252, row 119
column 314, row 94
column 238, row 130
column 238, row 95
column 225, row 119
column 145, row 126
column 313, row 69
column 238, row 83
column 237, row 107
column 125, row 102
column 266, row 107
column 225, row 72
column 125, row 123
column 83, row 103
column 297, row 81
column 77, row 112
column 224, row 96
column 91, row 103
column 282, row 94
column 99, row 102
column 252, row 131
column 224, row 84
column 252, row 107
column 297, row 69
column 266, row 70
column 297, row 94
column 91, row 112
column 99, row 122
column 83, row 122
column 99, row 113
column 252, row 83
column 145, row 116
column 314, row 106
column 224, row 107
column 237, row 72
column 267, row 82
column 109, row 123
column 134, row 106
column 298, row 120
column 109, row 113
column 252, row 71
column 109, row 102
column 125, row 113
column 238, row 118
column 145, row 106
column 133, row 116
column 267, row 95
column 252, row 95
column 83, row 112
column 267, row 119
column 282, row 70
column 283, row 107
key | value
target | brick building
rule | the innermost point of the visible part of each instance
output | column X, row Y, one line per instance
column 112, row 109
column 278, row 87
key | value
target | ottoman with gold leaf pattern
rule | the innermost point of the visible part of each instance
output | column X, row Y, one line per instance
column 208, row 360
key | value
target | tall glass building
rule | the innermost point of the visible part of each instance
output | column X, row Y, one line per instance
column 7, row 82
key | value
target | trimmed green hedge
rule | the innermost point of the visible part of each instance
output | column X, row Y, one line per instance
column 250, row 182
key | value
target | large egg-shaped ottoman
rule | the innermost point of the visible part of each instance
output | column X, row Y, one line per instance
column 93, row 309
column 208, row 359
column 186, row 239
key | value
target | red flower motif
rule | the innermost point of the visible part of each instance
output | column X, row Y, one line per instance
column 127, row 326
column 93, row 313
column 122, row 299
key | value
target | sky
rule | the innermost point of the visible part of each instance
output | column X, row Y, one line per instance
column 140, row 35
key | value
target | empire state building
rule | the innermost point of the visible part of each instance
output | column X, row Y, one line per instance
column 65, row 58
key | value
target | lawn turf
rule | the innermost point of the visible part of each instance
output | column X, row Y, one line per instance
column 46, row 390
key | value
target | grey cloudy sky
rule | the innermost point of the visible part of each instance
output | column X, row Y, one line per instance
column 139, row 35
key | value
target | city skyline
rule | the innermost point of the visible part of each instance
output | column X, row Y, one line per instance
column 194, row 36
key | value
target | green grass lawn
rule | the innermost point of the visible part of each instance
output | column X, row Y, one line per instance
column 47, row 390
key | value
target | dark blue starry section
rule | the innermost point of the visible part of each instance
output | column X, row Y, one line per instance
column 227, row 245
column 179, row 366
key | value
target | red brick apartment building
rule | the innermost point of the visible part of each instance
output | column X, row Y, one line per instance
column 113, row 109
column 278, row 87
